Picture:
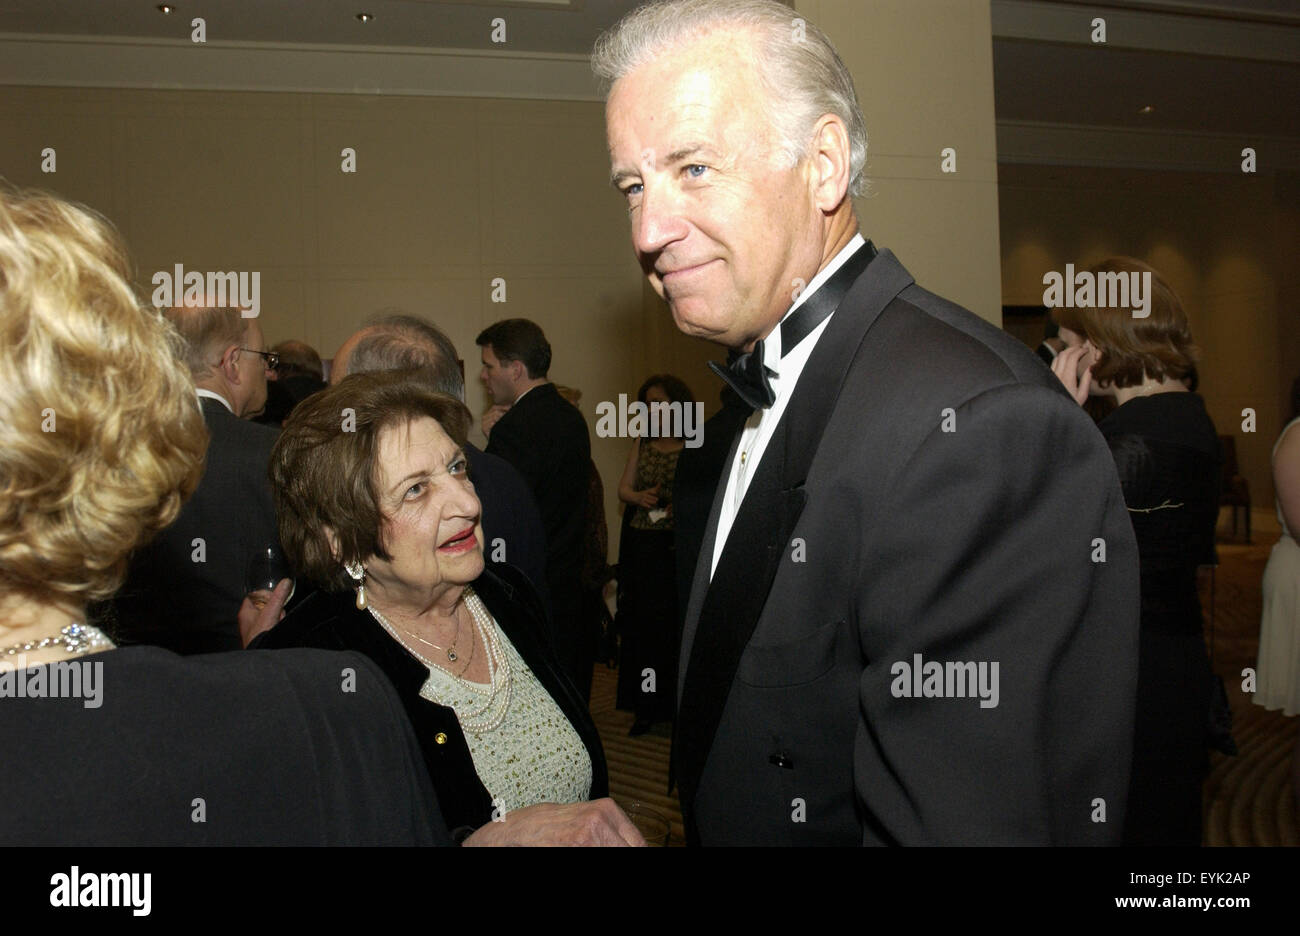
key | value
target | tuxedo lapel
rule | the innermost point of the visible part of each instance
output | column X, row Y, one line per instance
column 726, row 610
column 704, row 565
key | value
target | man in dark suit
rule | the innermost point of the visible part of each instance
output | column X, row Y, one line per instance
column 914, row 616
column 545, row 438
column 184, row 589
column 512, row 526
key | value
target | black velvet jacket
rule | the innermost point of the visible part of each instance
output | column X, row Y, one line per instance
column 331, row 621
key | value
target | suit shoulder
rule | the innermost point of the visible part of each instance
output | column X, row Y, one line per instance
column 226, row 428
column 496, row 470
column 950, row 336
column 256, row 435
column 237, row 674
column 317, row 622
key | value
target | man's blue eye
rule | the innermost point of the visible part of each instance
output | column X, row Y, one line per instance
column 460, row 466
column 691, row 169
column 417, row 488
column 633, row 189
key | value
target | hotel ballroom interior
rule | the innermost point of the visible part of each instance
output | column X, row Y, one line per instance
column 448, row 159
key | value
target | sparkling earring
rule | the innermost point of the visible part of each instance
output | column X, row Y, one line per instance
column 358, row 573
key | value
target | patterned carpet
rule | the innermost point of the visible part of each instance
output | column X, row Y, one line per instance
column 1248, row 798
column 638, row 767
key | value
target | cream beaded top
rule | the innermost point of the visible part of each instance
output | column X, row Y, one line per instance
column 535, row 755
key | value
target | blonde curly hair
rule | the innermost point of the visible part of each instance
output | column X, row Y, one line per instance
column 101, row 437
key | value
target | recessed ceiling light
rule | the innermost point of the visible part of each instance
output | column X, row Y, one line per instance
column 365, row 17
column 166, row 8
column 1146, row 109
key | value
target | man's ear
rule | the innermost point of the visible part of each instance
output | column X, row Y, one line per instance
column 830, row 162
column 229, row 363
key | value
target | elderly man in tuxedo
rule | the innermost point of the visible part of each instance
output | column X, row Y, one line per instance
column 914, row 617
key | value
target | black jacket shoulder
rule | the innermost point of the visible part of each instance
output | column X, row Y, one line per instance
column 218, row 749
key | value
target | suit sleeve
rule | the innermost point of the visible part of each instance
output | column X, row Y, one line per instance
column 990, row 552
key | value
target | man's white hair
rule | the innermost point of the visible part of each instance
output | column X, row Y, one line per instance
column 802, row 75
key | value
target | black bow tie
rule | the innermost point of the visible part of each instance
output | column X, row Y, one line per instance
column 748, row 375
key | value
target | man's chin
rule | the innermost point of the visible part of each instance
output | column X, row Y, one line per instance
column 688, row 325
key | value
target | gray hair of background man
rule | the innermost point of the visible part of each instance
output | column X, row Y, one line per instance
column 803, row 77
column 207, row 332
column 407, row 342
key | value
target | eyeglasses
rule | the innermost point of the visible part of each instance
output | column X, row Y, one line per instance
column 272, row 358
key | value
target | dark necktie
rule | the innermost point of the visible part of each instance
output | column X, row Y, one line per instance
column 748, row 375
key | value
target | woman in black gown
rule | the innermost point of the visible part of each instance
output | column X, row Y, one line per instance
column 1167, row 452
column 647, row 569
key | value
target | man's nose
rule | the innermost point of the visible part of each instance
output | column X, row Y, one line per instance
column 657, row 221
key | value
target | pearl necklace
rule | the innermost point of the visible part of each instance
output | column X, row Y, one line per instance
column 501, row 685
column 75, row 638
column 500, row 675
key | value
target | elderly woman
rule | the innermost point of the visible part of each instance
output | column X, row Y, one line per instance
column 376, row 507
column 1167, row 453
column 101, row 439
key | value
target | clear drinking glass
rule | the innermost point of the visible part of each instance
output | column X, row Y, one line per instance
column 265, row 569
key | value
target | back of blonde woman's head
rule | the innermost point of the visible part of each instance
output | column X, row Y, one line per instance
column 101, row 439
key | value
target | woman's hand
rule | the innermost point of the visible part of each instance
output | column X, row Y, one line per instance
column 1066, row 369
column 599, row 822
column 261, row 610
column 648, row 498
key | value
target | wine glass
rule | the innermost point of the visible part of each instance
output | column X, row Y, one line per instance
column 265, row 570
column 652, row 824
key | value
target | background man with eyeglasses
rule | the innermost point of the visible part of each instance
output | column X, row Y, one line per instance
column 184, row 589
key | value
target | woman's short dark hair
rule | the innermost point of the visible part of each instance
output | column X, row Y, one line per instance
column 674, row 387
column 325, row 467
column 1158, row 346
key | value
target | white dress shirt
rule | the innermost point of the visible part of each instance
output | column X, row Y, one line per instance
column 763, row 422
column 215, row 396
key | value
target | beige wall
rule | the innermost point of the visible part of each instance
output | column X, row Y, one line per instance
column 451, row 192
column 1226, row 244
column 923, row 70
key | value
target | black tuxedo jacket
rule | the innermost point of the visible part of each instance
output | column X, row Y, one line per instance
column 276, row 752
column 331, row 621
column 170, row 599
column 509, row 514
column 930, row 490
column 545, row 437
